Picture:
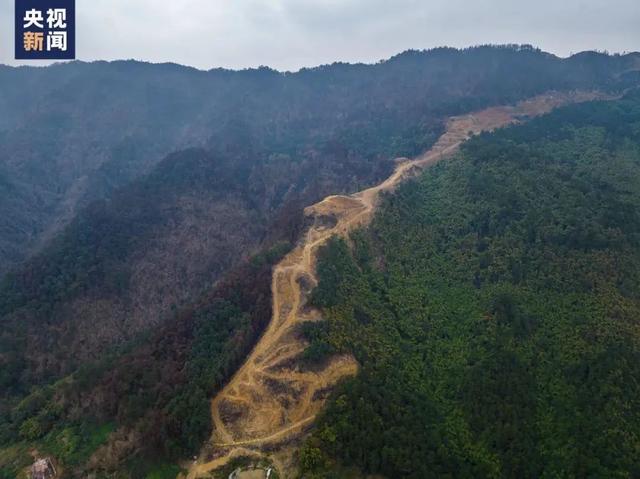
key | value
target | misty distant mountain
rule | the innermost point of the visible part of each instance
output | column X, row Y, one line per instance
column 73, row 133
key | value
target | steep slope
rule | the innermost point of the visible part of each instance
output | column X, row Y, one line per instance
column 272, row 399
column 136, row 287
column 124, row 264
column 493, row 307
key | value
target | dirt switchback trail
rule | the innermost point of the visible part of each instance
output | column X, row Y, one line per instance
column 272, row 400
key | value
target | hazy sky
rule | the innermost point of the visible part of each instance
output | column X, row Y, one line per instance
column 289, row 34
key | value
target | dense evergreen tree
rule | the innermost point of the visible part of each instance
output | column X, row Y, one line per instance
column 88, row 360
column 493, row 306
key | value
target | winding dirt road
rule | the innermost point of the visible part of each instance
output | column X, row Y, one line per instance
column 271, row 401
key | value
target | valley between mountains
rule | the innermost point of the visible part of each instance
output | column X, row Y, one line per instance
column 272, row 400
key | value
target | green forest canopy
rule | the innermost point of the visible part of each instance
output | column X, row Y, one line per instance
column 340, row 126
column 493, row 305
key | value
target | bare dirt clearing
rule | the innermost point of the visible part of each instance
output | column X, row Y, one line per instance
column 271, row 401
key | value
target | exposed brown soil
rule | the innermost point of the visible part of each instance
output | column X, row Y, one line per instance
column 272, row 401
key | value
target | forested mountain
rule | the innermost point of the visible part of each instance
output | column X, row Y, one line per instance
column 493, row 305
column 72, row 133
column 142, row 206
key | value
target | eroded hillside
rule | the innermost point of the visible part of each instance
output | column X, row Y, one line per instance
column 135, row 287
column 492, row 305
column 273, row 398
